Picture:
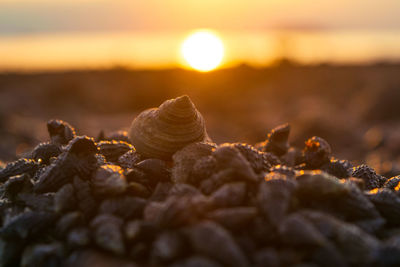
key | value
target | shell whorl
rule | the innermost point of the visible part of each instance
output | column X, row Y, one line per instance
column 160, row 132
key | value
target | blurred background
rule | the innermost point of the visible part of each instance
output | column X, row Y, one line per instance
column 329, row 68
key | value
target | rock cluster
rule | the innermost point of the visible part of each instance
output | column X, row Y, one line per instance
column 78, row 202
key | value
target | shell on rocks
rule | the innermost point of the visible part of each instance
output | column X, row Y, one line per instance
column 100, row 160
column 108, row 180
column 183, row 190
column 161, row 191
column 388, row 204
column 17, row 184
column 36, row 202
column 372, row 180
column 67, row 222
column 43, row 255
column 78, row 237
column 292, row 157
column 27, row 224
column 160, row 132
column 316, row 184
column 78, row 159
column 185, row 159
column 60, row 132
column 232, row 165
column 297, row 230
column 45, row 151
column 154, row 170
column 229, row 195
column 83, row 193
column 108, row 233
column 138, row 190
column 392, row 183
column 20, row 166
column 214, row 241
column 148, row 173
column 233, row 218
column 168, row 246
column 358, row 182
column 257, row 159
column 129, row 159
column 116, row 135
column 277, row 140
column 338, row 168
column 178, row 211
column 203, row 169
column 139, row 230
column 354, row 244
column 64, row 199
column 316, row 152
column 112, row 150
column 319, row 190
column 355, row 205
column 274, row 197
column 124, row 207
column 175, row 211
column 282, row 169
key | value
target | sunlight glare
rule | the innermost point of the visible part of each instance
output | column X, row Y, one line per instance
column 203, row 50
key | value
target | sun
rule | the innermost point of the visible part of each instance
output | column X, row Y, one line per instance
column 203, row 50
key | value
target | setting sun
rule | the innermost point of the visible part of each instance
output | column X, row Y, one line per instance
column 203, row 50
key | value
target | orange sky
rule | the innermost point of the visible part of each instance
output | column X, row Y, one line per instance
column 48, row 34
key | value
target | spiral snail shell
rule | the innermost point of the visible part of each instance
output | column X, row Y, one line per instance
column 160, row 132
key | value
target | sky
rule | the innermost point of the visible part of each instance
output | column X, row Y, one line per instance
column 64, row 34
column 42, row 16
